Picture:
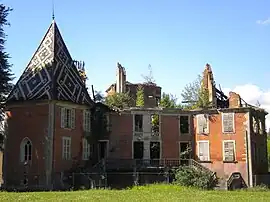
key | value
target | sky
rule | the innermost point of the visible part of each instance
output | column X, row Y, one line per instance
column 176, row 37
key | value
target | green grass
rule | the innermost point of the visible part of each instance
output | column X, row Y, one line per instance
column 144, row 193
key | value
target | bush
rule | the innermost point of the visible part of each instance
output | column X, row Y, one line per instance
column 193, row 177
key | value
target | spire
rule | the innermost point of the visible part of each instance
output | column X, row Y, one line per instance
column 53, row 10
column 51, row 74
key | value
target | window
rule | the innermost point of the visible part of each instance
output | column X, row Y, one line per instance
column 203, row 150
column 86, row 120
column 185, row 149
column 26, row 150
column 66, row 148
column 184, row 124
column 155, row 125
column 203, row 124
column 138, row 150
column 86, row 149
column 138, row 123
column 228, row 150
column 228, row 122
column 108, row 122
column 67, row 118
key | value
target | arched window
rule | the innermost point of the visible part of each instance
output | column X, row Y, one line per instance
column 26, row 150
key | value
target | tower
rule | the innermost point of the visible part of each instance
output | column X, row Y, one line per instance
column 45, row 107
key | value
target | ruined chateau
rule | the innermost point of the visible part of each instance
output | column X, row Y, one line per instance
column 49, row 114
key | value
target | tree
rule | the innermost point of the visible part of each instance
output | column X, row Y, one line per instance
column 168, row 101
column 195, row 95
column 140, row 96
column 149, row 79
column 5, row 73
column 118, row 100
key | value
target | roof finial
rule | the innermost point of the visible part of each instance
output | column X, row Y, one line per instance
column 52, row 9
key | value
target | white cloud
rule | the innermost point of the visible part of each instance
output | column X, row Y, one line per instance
column 263, row 22
column 253, row 94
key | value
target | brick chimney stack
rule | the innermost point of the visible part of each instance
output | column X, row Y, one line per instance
column 80, row 67
column 209, row 84
column 120, row 79
column 234, row 100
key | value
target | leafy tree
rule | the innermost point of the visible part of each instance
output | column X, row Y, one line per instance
column 195, row 95
column 140, row 97
column 118, row 100
column 5, row 73
column 169, row 101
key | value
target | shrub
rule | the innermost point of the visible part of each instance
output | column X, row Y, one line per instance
column 193, row 177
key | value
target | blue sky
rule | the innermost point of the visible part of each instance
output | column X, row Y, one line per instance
column 176, row 37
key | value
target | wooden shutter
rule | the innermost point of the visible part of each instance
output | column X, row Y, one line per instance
column 63, row 115
column 228, row 122
column 72, row 118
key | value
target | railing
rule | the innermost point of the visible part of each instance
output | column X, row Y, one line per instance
column 144, row 163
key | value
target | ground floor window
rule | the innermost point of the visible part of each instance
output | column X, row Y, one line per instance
column 203, row 150
column 26, row 150
column 228, row 150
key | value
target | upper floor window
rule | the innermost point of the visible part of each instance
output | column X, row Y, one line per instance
column 66, row 148
column 203, row 124
column 86, row 120
column 228, row 123
column 228, row 150
column 67, row 118
column 155, row 124
column 184, row 124
column 138, row 122
column 26, row 150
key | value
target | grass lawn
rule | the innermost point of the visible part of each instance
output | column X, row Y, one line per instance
column 146, row 193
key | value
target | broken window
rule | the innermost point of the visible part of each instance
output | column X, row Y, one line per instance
column 228, row 122
column 261, row 130
column 184, row 150
column 138, row 123
column 255, row 125
column 184, row 124
column 138, row 150
column 228, row 151
column 202, row 123
column 203, row 151
column 155, row 124
column 154, row 150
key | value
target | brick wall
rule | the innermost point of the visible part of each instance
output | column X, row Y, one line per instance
column 25, row 121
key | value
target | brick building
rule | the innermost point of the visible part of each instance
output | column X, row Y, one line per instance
column 48, row 112
column 49, row 116
column 152, row 92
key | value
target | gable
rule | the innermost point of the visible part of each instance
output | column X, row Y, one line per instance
column 51, row 74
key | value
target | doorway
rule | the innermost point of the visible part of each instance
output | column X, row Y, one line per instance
column 102, row 149
column 138, row 150
column 154, row 150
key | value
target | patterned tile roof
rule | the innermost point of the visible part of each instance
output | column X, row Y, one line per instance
column 51, row 74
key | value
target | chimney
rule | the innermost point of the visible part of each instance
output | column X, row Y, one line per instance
column 234, row 100
column 120, row 79
column 209, row 84
column 80, row 67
